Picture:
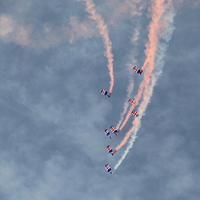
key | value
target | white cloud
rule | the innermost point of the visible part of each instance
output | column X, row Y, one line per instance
column 12, row 31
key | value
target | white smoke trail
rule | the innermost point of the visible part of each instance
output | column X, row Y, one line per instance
column 134, row 135
column 166, row 36
column 130, row 87
column 126, row 104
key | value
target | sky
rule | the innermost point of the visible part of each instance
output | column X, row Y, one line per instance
column 56, row 56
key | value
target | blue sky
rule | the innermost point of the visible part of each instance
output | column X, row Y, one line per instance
column 52, row 115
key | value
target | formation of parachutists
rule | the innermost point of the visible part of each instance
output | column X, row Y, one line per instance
column 161, row 27
column 112, row 128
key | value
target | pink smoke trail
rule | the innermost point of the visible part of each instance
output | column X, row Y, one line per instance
column 166, row 36
column 157, row 9
column 104, row 32
column 155, row 27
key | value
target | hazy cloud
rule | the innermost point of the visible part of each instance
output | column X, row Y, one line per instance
column 11, row 31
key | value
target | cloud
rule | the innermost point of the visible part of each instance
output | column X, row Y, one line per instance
column 195, row 4
column 6, row 26
column 78, row 30
column 23, row 35
column 125, row 9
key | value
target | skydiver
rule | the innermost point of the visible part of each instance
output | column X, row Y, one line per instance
column 108, row 168
column 137, row 70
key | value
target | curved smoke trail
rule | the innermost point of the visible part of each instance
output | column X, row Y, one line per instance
column 156, row 25
column 166, row 36
column 104, row 32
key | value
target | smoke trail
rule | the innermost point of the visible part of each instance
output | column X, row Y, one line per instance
column 156, row 25
column 126, row 104
column 131, row 143
column 135, row 128
column 131, row 82
column 166, row 36
column 104, row 32
column 154, row 28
